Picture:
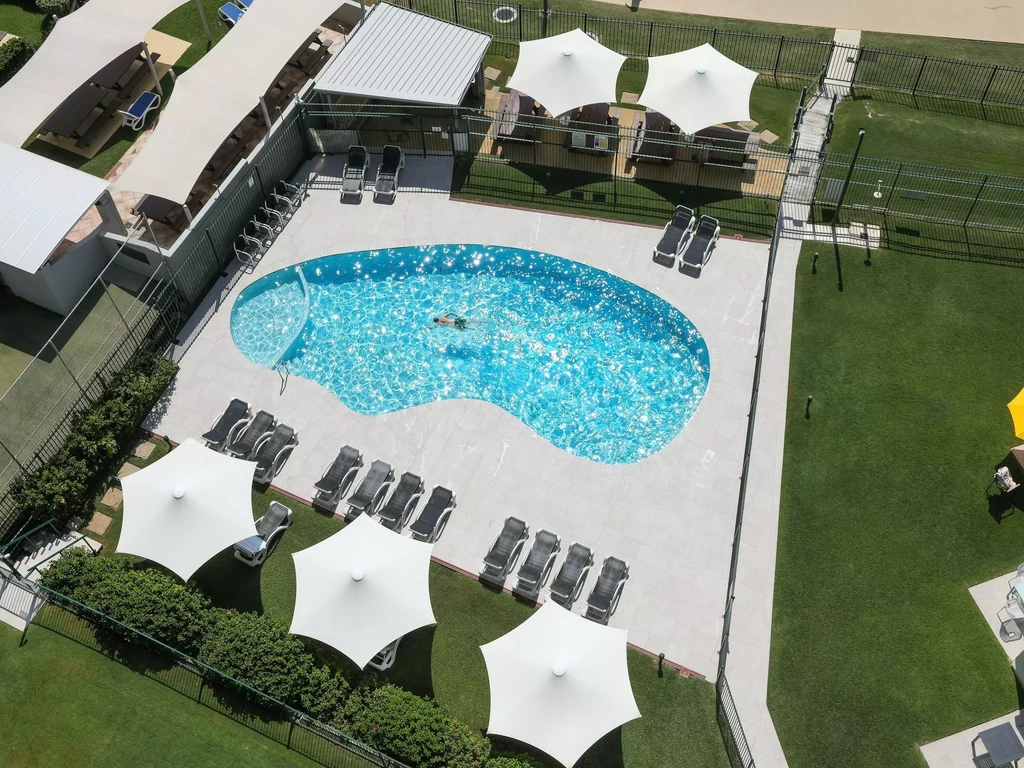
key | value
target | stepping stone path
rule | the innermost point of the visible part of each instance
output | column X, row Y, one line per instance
column 112, row 498
column 127, row 469
column 491, row 73
column 143, row 449
column 629, row 98
column 747, row 125
column 100, row 522
column 768, row 137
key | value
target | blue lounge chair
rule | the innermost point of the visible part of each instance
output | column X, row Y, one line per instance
column 230, row 13
column 245, row 5
column 135, row 116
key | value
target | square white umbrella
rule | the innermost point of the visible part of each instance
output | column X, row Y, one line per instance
column 559, row 682
column 362, row 589
column 697, row 88
column 185, row 508
column 566, row 71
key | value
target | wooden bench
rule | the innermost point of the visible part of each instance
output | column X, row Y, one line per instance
column 721, row 145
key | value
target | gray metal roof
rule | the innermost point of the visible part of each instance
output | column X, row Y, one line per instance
column 400, row 55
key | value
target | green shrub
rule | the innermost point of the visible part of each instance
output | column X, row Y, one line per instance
column 258, row 651
column 54, row 7
column 323, row 692
column 13, row 55
column 414, row 730
column 514, row 761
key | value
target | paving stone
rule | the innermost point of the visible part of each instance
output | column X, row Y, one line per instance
column 492, row 73
column 112, row 498
column 127, row 469
column 144, row 449
column 99, row 522
column 768, row 137
column 747, row 125
column 629, row 98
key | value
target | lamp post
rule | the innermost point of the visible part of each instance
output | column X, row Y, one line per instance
column 849, row 175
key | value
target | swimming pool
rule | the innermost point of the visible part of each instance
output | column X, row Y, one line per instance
column 594, row 364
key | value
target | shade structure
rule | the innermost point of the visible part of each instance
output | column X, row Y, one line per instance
column 216, row 94
column 697, row 88
column 187, row 507
column 559, row 682
column 567, row 71
column 361, row 589
column 1016, row 407
column 79, row 45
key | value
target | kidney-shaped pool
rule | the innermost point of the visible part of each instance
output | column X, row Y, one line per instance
column 594, row 364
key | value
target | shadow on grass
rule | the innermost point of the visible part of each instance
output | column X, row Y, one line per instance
column 230, row 583
column 413, row 668
column 605, row 753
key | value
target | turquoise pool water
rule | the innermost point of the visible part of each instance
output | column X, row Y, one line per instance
column 592, row 363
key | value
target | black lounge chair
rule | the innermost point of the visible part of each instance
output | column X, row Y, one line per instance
column 272, row 451
column 676, row 235
column 538, row 565
column 223, row 430
column 354, row 174
column 505, row 551
column 244, row 442
column 369, row 496
column 391, row 164
column 395, row 514
column 253, row 550
column 568, row 583
column 698, row 250
column 432, row 520
column 604, row 598
column 332, row 486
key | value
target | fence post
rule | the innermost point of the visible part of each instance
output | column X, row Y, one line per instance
column 520, row 17
column 543, row 21
column 423, row 137
column 778, row 58
column 856, row 67
column 455, row 7
column 585, row 21
column 650, row 40
column 913, row 91
column 714, row 36
column 981, row 189
column 989, row 84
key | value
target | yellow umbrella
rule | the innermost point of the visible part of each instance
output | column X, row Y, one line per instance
column 1016, row 407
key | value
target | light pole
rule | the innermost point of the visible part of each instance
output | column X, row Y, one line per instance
column 849, row 175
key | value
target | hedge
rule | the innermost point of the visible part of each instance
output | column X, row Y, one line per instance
column 13, row 55
column 63, row 486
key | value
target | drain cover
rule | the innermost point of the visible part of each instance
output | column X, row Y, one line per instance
column 505, row 14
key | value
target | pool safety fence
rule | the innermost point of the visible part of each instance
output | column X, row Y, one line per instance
column 203, row 684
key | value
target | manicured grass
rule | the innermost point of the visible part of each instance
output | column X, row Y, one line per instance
column 982, row 51
column 22, row 18
column 901, row 132
column 24, row 328
column 877, row 645
column 65, row 704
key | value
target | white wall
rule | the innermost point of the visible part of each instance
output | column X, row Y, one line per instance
column 60, row 285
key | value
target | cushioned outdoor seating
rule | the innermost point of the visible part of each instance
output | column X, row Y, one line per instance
column 354, row 174
column 537, row 567
column 398, row 510
column 230, row 13
column 604, row 598
column 505, row 550
column 241, row 445
column 272, row 451
column 135, row 116
column 430, row 524
column 370, row 495
column 253, row 550
column 698, row 249
column 676, row 235
column 332, row 486
column 223, row 430
column 569, row 580
column 391, row 164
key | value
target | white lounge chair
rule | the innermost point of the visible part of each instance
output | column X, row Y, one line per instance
column 505, row 551
column 676, row 235
column 604, row 598
column 698, row 249
column 370, row 494
column 538, row 565
column 332, row 486
column 272, row 451
column 228, row 424
column 253, row 550
column 135, row 116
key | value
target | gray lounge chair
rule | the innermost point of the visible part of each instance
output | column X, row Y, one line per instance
column 391, row 165
column 538, row 565
column 332, row 486
column 253, row 550
column 223, row 430
column 370, row 494
column 244, row 441
column 676, row 235
column 354, row 175
column 569, row 580
column 395, row 514
column 432, row 520
column 604, row 598
column 505, row 551
column 698, row 249
column 272, row 451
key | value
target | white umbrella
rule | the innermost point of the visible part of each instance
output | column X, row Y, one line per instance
column 559, row 682
column 698, row 88
column 566, row 71
column 187, row 507
column 362, row 589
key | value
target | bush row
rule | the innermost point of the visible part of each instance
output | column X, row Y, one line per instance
column 13, row 55
column 258, row 651
column 62, row 487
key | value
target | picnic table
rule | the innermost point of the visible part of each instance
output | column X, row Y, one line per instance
column 593, row 127
column 652, row 137
column 75, row 110
column 109, row 76
column 513, row 106
column 156, row 208
column 1002, row 744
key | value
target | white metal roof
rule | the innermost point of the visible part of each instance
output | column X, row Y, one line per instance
column 80, row 45
column 215, row 94
column 401, row 55
column 40, row 202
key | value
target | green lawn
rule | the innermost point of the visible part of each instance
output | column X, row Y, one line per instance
column 1003, row 54
column 22, row 18
column 24, row 328
column 64, row 704
column 678, row 726
column 900, row 132
column 877, row 645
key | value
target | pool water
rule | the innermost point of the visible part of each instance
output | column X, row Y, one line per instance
column 594, row 364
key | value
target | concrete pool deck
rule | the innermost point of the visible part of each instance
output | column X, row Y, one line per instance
column 670, row 516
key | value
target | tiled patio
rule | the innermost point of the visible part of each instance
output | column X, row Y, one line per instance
column 990, row 596
column 671, row 516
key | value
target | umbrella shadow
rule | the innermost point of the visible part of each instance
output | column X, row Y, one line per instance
column 230, row 583
column 413, row 663
column 605, row 753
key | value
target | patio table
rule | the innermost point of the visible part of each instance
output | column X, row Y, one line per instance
column 75, row 110
column 1002, row 744
column 662, row 133
column 114, row 71
column 156, row 208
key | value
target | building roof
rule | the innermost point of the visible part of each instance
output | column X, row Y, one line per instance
column 400, row 55
column 40, row 202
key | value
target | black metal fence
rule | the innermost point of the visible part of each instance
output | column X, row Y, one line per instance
column 205, row 685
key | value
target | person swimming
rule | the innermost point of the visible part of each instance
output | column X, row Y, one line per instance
column 455, row 321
